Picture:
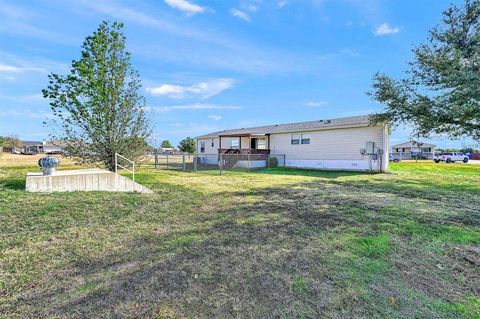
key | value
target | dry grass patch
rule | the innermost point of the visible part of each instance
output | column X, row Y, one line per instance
column 273, row 244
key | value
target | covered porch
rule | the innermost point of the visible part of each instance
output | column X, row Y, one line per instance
column 244, row 144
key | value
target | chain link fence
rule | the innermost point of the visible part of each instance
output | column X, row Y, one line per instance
column 412, row 155
column 216, row 162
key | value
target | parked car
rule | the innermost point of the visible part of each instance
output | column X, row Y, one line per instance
column 450, row 157
column 393, row 158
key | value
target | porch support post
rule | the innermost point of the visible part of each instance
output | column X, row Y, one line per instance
column 240, row 142
column 220, row 144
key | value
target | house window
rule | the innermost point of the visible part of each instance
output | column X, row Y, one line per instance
column 305, row 138
column 213, row 142
column 300, row 139
column 202, row 147
column 295, row 139
column 261, row 144
column 235, row 143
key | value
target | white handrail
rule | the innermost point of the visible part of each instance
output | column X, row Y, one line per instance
column 126, row 159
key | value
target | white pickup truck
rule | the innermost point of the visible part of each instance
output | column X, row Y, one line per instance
column 450, row 157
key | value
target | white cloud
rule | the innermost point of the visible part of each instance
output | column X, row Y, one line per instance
column 11, row 63
column 252, row 8
column 185, row 6
column 14, row 12
column 315, row 103
column 126, row 14
column 385, row 29
column 240, row 14
column 5, row 68
column 281, row 4
column 350, row 52
column 202, row 90
column 216, row 48
column 42, row 115
column 193, row 107
column 7, row 78
column 24, row 98
column 215, row 117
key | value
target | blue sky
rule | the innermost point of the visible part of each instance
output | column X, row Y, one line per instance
column 211, row 65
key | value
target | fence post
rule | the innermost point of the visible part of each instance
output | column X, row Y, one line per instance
column 268, row 161
column 183, row 159
column 220, row 163
column 195, row 158
column 156, row 157
column 167, row 160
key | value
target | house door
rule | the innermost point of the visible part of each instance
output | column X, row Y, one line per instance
column 258, row 143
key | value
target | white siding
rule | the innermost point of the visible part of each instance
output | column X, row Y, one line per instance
column 226, row 142
column 328, row 149
column 332, row 149
column 208, row 146
column 336, row 144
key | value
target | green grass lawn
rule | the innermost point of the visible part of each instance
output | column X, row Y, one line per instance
column 273, row 244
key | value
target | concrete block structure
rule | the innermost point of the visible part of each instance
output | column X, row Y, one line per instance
column 82, row 180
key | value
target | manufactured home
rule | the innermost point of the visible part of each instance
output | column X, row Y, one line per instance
column 350, row 143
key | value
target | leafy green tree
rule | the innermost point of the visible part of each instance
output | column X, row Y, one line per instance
column 441, row 92
column 97, row 108
column 166, row 144
column 187, row 145
column 10, row 141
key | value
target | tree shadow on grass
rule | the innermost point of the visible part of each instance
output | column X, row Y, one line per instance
column 13, row 184
column 278, row 256
column 313, row 172
column 237, row 264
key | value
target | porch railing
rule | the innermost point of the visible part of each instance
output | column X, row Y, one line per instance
column 117, row 165
column 243, row 151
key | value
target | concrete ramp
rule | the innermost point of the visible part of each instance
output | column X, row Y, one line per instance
column 84, row 180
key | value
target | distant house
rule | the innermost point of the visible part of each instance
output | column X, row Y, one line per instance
column 30, row 147
column 350, row 143
column 167, row 150
column 413, row 148
column 47, row 147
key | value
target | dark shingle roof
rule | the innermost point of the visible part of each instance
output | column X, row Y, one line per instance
column 31, row 143
column 413, row 144
column 354, row 121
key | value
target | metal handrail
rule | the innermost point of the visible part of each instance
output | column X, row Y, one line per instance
column 118, row 165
